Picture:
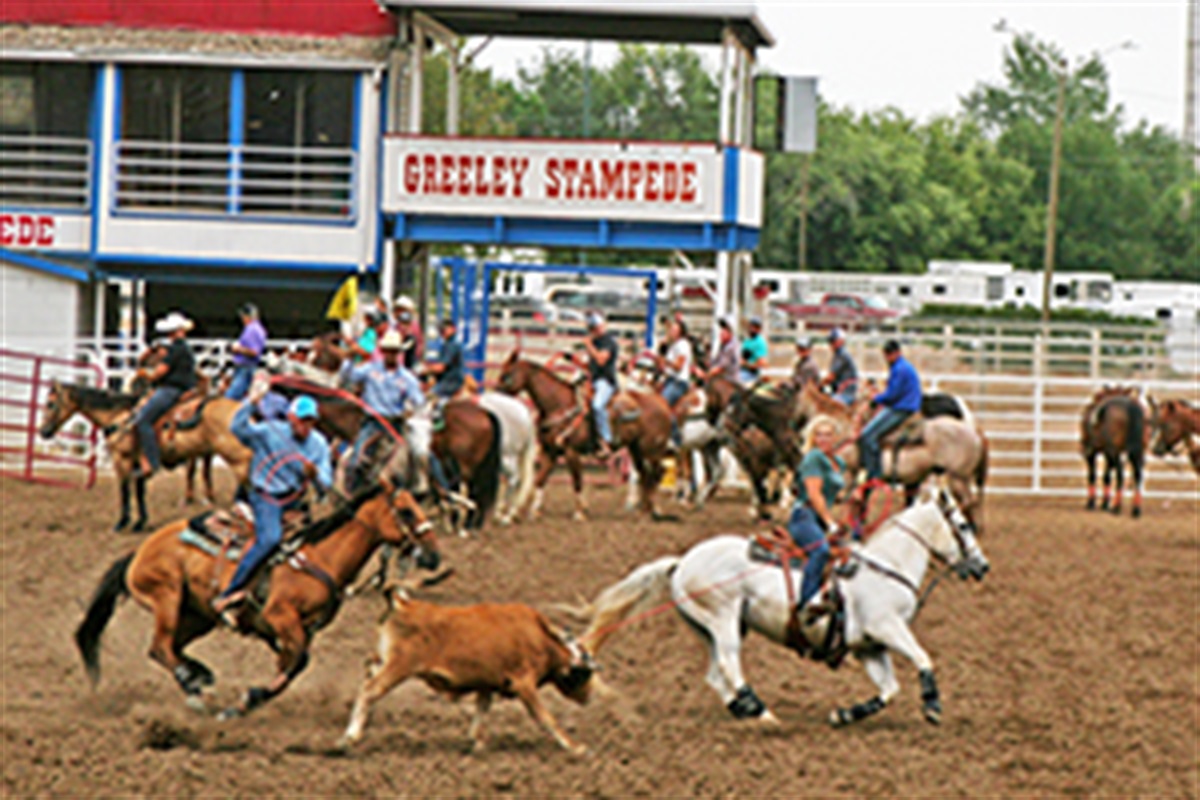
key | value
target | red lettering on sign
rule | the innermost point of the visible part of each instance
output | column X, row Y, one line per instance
column 26, row 230
column 687, row 193
column 519, row 167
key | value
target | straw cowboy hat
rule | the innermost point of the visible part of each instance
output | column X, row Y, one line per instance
column 173, row 322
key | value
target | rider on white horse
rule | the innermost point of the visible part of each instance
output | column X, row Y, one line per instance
column 819, row 481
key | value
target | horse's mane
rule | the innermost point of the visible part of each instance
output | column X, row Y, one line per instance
column 322, row 528
column 102, row 399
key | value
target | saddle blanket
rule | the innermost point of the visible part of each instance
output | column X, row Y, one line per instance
column 762, row 554
column 218, row 533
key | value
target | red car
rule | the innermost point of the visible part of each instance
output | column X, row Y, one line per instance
column 849, row 311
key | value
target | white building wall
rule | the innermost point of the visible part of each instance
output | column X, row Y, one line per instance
column 38, row 311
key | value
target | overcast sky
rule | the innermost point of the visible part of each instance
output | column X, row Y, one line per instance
column 922, row 56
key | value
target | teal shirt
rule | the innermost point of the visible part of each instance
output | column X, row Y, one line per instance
column 753, row 349
column 817, row 464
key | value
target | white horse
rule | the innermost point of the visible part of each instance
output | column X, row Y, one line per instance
column 719, row 590
column 518, row 452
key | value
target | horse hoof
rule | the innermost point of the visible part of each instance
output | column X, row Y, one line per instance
column 579, row 516
column 121, row 525
column 840, row 717
column 1137, row 512
column 196, row 703
column 768, row 721
column 1116, row 511
column 933, row 715
column 1091, row 504
column 138, row 527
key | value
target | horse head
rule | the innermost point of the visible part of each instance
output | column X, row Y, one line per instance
column 1167, row 424
column 514, row 374
column 405, row 523
column 60, row 406
column 957, row 543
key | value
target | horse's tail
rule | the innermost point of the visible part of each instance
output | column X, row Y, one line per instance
column 485, row 479
column 635, row 593
column 1135, row 441
column 87, row 636
column 526, row 467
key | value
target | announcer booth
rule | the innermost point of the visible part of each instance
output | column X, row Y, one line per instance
column 201, row 154
column 577, row 193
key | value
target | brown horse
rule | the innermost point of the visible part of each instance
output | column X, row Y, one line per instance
column 1174, row 422
column 111, row 412
column 468, row 445
column 1114, row 423
column 292, row 598
column 641, row 422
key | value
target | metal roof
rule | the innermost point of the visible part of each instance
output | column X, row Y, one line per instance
column 621, row 21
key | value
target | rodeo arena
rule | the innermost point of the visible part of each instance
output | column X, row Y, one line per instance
column 704, row 540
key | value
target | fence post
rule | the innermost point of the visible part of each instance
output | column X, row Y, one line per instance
column 30, row 432
column 1094, row 366
column 1038, row 412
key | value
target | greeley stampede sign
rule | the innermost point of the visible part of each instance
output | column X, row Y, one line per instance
column 554, row 179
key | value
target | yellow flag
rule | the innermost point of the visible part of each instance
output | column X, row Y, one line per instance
column 345, row 303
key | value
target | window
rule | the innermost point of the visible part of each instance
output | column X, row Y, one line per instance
column 298, row 130
column 1101, row 291
column 939, row 288
column 1062, row 291
column 904, row 291
column 1019, row 291
column 175, row 135
column 995, row 287
column 45, row 155
column 225, row 141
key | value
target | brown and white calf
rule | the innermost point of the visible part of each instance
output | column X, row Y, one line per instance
column 486, row 650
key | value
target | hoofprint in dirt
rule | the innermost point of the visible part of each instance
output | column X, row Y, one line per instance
column 1072, row 670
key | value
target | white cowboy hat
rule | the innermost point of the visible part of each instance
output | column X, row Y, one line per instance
column 173, row 322
column 404, row 301
column 392, row 341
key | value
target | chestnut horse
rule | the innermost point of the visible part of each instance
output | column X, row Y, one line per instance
column 1174, row 422
column 1114, row 423
column 177, row 582
column 468, row 444
column 111, row 412
column 641, row 421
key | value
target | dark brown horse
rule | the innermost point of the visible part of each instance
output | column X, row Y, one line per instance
column 1175, row 422
column 641, row 422
column 1114, row 423
column 468, row 444
column 111, row 411
column 177, row 582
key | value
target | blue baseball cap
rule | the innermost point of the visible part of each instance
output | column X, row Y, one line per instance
column 303, row 407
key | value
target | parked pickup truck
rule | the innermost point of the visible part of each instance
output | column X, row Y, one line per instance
column 849, row 311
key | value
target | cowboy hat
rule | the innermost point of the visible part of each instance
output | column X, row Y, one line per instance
column 173, row 322
column 392, row 341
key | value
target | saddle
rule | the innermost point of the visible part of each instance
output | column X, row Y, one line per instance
column 186, row 414
column 220, row 533
column 818, row 630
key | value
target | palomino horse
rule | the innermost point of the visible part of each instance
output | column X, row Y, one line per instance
column 468, row 444
column 720, row 592
column 177, row 582
column 950, row 443
column 111, row 413
column 1114, row 423
column 1175, row 422
column 640, row 421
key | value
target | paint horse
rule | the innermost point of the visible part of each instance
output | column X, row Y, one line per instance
column 207, row 433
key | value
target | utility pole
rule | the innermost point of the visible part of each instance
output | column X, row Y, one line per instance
column 1189, row 82
column 1052, row 205
column 805, row 167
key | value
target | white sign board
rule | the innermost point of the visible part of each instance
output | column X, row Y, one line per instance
column 660, row 182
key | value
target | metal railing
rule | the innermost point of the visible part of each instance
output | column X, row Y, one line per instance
column 257, row 180
column 45, row 171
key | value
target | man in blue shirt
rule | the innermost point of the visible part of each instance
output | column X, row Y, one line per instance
column 900, row 400
column 247, row 352
column 287, row 455
column 754, row 353
column 388, row 389
column 843, row 374
column 448, row 366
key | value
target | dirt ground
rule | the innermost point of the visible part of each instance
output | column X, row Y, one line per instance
column 1073, row 669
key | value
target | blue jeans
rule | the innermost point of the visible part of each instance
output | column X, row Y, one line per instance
column 239, row 386
column 268, row 532
column 602, row 394
column 673, row 390
column 846, row 396
column 747, row 377
column 808, row 533
column 883, row 423
column 159, row 403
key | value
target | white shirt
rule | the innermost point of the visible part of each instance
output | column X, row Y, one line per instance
column 681, row 347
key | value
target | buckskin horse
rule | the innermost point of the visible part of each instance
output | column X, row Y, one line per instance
column 1175, row 422
column 1114, row 423
column 205, row 433
column 721, row 591
column 641, row 421
column 292, row 597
